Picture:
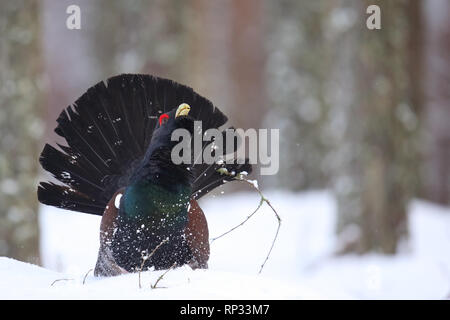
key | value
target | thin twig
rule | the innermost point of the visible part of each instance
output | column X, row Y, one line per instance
column 276, row 234
column 60, row 280
column 85, row 276
column 240, row 224
column 146, row 257
column 153, row 286
column 240, row 177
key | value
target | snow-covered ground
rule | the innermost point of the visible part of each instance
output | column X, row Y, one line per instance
column 302, row 264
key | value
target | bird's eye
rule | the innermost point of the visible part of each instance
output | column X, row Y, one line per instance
column 163, row 119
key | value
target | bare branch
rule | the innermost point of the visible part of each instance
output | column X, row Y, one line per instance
column 60, row 280
column 145, row 257
column 241, row 177
column 162, row 276
column 85, row 276
column 240, row 224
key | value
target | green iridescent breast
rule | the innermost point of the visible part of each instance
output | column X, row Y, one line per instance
column 156, row 204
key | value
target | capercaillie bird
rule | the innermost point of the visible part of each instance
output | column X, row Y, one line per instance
column 117, row 164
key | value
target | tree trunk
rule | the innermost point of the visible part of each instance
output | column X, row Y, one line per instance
column 383, row 125
column 437, row 129
column 20, row 128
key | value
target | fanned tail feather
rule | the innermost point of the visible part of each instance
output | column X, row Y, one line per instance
column 213, row 177
column 108, row 130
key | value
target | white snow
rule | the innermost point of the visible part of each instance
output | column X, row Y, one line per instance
column 302, row 265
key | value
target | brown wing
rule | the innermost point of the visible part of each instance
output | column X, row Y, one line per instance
column 106, row 266
column 197, row 236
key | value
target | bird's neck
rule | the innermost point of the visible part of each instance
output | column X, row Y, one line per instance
column 158, row 169
column 158, row 190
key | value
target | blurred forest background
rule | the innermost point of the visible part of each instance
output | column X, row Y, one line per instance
column 364, row 113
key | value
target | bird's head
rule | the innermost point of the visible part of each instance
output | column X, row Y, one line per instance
column 167, row 123
column 176, row 119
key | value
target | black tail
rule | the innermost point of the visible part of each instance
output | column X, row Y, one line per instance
column 108, row 130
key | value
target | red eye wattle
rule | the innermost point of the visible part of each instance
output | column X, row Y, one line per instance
column 163, row 118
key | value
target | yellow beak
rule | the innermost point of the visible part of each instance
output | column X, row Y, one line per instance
column 183, row 110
